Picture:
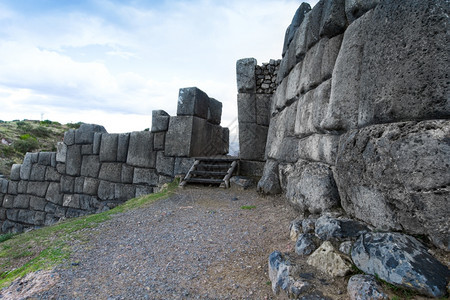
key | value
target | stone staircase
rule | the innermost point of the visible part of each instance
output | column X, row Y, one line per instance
column 211, row 170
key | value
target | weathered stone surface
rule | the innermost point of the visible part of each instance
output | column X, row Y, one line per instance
column 305, row 244
column 333, row 20
column 106, row 190
column 8, row 201
column 78, row 186
column 245, row 75
column 140, row 152
column 356, row 8
column 22, row 187
column 270, row 183
column 25, row 169
column 164, row 164
column 71, row 201
column 246, row 103
column 45, row 158
column 127, row 174
column 303, row 121
column 314, row 25
column 21, row 201
column 214, row 111
column 69, row 137
column 330, row 53
column 346, row 247
column 278, row 272
column 90, row 166
column 142, row 190
column 37, row 203
column 160, row 120
column 252, row 141
column 329, row 260
column 251, row 168
column 365, row 287
column 51, row 174
column 241, row 182
column 53, row 193
column 279, row 144
column 263, row 103
column 15, row 172
column 61, row 168
column 122, row 147
column 309, row 225
column 159, row 138
column 182, row 165
column 330, row 228
column 61, row 152
column 97, row 143
column 179, row 136
column 295, row 24
column 193, row 102
column 3, row 185
column 73, row 160
column 26, row 216
column 401, row 260
column 125, row 192
column 38, row 172
column 108, row 147
column 279, row 97
column 67, row 184
column 311, row 187
column 12, row 187
column 295, row 228
column 86, row 149
column 85, row 134
column 293, row 85
column 320, row 148
column 311, row 67
column 37, row 188
column 90, row 186
column 397, row 176
column 145, row 176
column 111, row 172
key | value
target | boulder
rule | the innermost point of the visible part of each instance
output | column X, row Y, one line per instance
column 279, row 272
column 193, row 102
column 15, row 172
column 330, row 228
column 365, row 287
column 330, row 261
column 241, row 183
column 333, row 20
column 308, row 225
column 245, row 75
column 140, row 150
column 160, row 120
column 305, row 244
column 396, row 176
column 319, row 147
column 269, row 184
column 295, row 228
column 401, row 260
column 85, row 134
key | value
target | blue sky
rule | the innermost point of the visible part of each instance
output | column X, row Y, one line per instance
column 112, row 62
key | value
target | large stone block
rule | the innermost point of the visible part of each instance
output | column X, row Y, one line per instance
column 193, row 102
column 15, row 172
column 106, row 190
column 245, row 75
column 127, row 174
column 140, row 150
column 295, row 24
column 45, row 158
column 51, row 174
column 26, row 216
column 90, row 166
column 179, row 136
column 21, row 201
column 108, row 147
column 159, row 139
column 281, row 127
column 37, row 203
column 37, row 188
column 97, row 143
column 73, row 160
column 333, row 21
column 160, row 120
column 263, row 102
column 252, row 141
column 85, row 134
column 246, row 103
column 214, row 111
column 279, row 97
column 251, row 168
column 182, row 165
column 312, row 66
column 61, row 152
column 356, row 8
column 86, row 149
column 72, row 201
column 78, row 185
column 270, row 182
column 90, row 186
column 69, row 137
column 142, row 190
column 12, row 187
column 319, row 147
column 3, row 185
column 125, row 192
column 22, row 187
column 67, row 184
column 293, row 84
column 111, row 172
column 122, row 147
column 145, row 176
column 8, row 201
column 38, row 172
column 25, row 169
column 165, row 164
column 330, row 53
column 396, row 176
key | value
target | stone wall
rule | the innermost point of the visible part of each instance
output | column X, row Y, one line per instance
column 256, row 85
column 93, row 170
column 360, row 117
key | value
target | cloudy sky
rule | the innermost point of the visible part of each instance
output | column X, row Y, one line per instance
column 112, row 62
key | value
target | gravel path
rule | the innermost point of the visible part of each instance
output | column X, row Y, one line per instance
column 197, row 244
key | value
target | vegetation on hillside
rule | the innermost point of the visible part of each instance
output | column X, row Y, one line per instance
column 20, row 137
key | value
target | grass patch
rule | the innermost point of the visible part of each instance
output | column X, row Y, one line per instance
column 248, row 207
column 47, row 247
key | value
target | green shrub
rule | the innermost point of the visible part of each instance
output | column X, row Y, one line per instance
column 46, row 122
column 40, row 131
column 74, row 125
column 24, row 127
column 27, row 143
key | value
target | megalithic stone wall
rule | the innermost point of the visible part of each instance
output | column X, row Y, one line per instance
column 360, row 117
column 93, row 170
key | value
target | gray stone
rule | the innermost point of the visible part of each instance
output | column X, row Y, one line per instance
column 159, row 139
column 346, row 247
column 311, row 187
column 69, row 137
column 356, row 8
column 22, row 187
column 15, row 172
column 241, row 182
column 321, row 98
column 37, row 188
column 311, row 67
column 12, row 214
column 26, row 216
column 90, row 166
column 85, row 134
column 263, row 109
column 21, row 201
column 300, row 39
column 214, row 111
column 295, row 24
column 279, row 97
column 53, row 193
column 2, row 214
column 140, row 152
column 330, row 261
column 45, row 158
column 108, row 147
column 127, row 174
column 365, row 287
column 52, row 174
column 333, row 20
column 38, row 172
column 74, row 213
column 330, row 228
column 125, row 192
column 246, row 103
column 61, row 152
column 319, row 148
column 330, row 53
column 86, row 149
column 245, row 75
column 395, row 176
column 292, row 86
column 279, row 272
column 25, row 169
column 164, row 164
column 111, row 172
column 39, row 218
column 182, row 165
column 78, row 186
column 3, row 185
column 53, row 160
column 143, row 190
column 251, row 168
column 67, row 184
column 106, row 190
column 305, row 244
column 193, row 102
column 12, row 186
column 50, row 219
column 252, row 141
column 37, row 203
column 97, row 143
column 304, row 119
column 61, row 168
column 314, row 25
column 160, row 121
column 145, row 176
column 73, row 160
column 269, row 183
column 401, row 260
column 90, row 186
column 295, row 228
column 279, row 145
column 8, row 201
column 308, row 225
column 122, row 147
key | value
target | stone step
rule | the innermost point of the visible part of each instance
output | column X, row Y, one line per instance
column 204, row 180
column 209, row 173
